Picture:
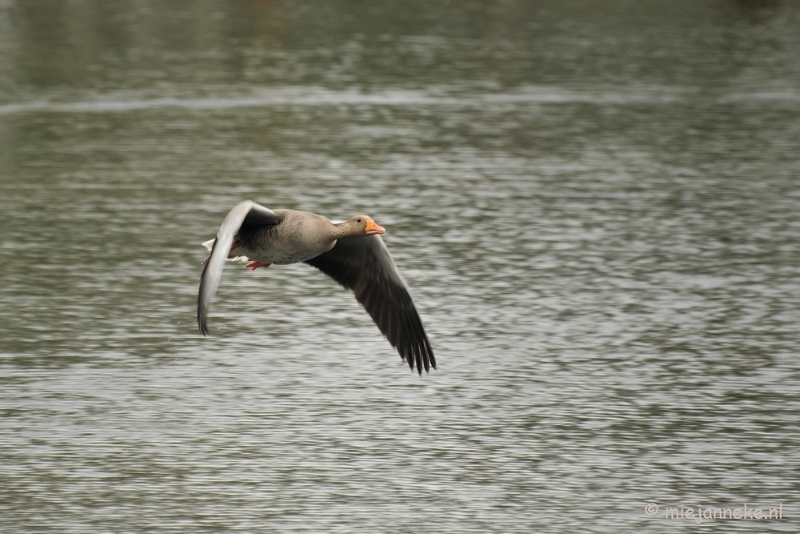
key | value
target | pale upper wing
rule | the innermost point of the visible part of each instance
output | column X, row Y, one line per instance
column 364, row 265
column 246, row 212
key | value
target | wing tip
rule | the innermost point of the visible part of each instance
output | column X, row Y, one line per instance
column 423, row 358
column 202, row 325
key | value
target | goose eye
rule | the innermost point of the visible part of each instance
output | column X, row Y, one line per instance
column 358, row 220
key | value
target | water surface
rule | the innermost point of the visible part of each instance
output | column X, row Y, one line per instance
column 596, row 207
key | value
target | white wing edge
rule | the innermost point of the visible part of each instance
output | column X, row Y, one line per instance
column 212, row 273
column 210, row 246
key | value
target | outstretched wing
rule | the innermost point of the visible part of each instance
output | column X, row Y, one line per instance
column 364, row 265
column 247, row 212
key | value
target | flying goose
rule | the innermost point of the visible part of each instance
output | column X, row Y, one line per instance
column 350, row 252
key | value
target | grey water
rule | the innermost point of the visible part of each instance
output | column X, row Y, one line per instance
column 596, row 207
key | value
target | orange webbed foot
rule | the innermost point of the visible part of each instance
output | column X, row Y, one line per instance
column 256, row 264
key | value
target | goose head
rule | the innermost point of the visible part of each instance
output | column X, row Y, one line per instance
column 362, row 225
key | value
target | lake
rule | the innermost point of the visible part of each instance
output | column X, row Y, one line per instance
column 596, row 207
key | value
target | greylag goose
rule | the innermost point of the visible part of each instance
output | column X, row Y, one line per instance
column 351, row 252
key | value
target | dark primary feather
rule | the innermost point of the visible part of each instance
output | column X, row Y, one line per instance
column 363, row 265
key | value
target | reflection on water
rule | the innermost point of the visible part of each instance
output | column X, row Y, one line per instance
column 595, row 207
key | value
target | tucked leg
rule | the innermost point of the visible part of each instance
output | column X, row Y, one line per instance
column 256, row 264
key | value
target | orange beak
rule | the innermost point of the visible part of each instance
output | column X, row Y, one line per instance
column 373, row 228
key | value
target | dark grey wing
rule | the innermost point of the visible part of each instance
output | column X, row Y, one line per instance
column 247, row 212
column 364, row 265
